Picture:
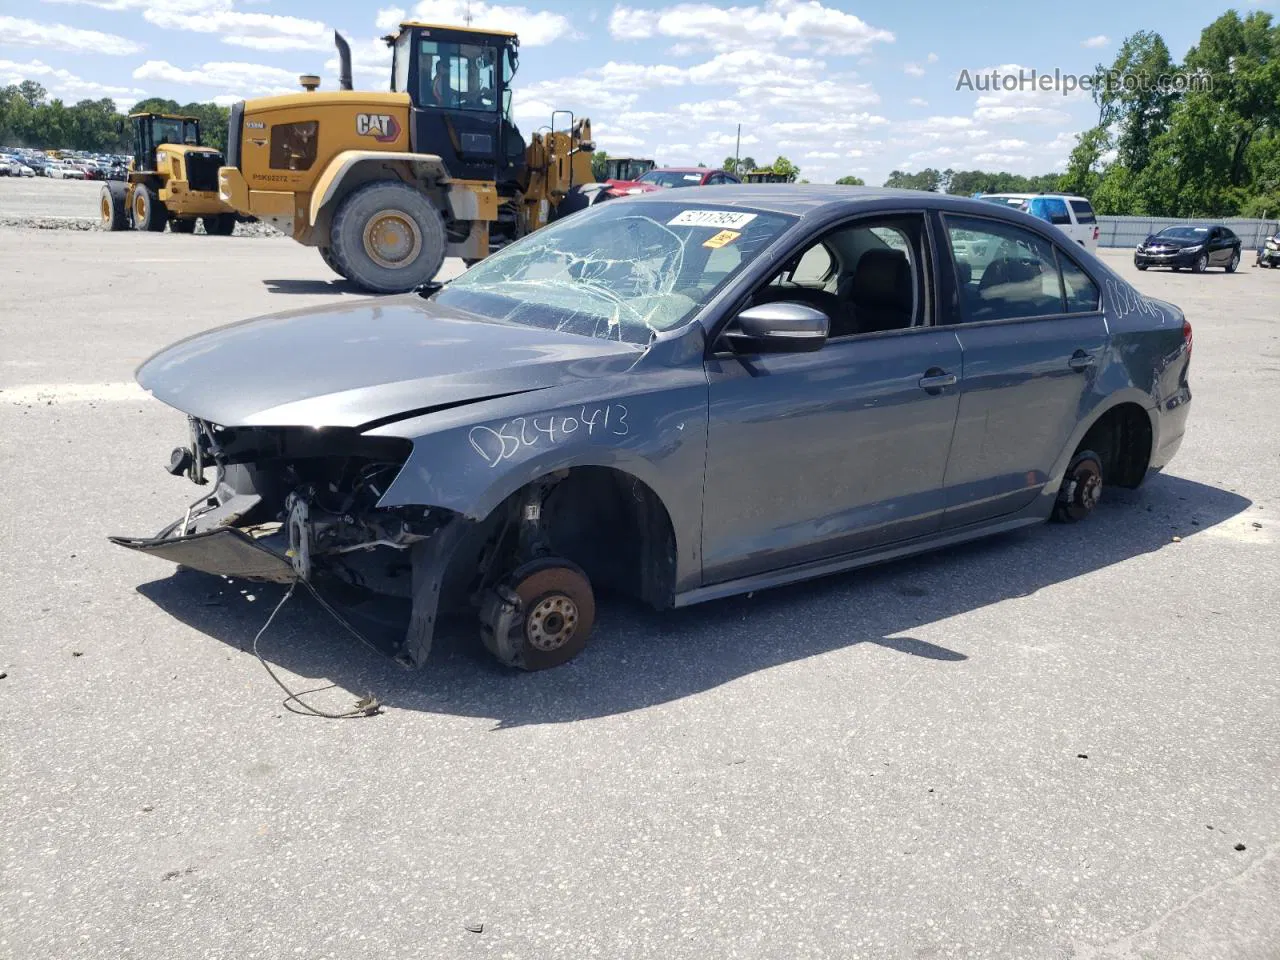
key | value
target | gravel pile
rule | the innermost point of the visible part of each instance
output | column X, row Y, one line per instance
column 257, row 229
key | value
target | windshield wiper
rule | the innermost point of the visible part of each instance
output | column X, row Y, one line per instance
column 429, row 288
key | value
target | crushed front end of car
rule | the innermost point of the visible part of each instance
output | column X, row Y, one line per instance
column 294, row 504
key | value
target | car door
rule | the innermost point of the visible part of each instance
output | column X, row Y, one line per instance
column 1220, row 247
column 1032, row 331
column 814, row 455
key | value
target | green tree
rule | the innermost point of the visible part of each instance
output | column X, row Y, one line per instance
column 1083, row 175
column 850, row 181
column 32, row 93
column 926, row 179
column 741, row 166
column 598, row 161
column 785, row 167
column 1134, row 100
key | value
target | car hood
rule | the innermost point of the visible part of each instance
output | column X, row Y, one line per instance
column 1178, row 242
column 622, row 186
column 370, row 362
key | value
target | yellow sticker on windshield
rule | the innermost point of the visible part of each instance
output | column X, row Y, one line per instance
column 722, row 239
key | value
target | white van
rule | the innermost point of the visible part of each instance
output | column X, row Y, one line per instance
column 1072, row 215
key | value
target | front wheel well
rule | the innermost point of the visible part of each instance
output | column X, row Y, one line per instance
column 607, row 521
column 1121, row 438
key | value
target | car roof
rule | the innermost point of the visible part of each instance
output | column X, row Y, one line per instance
column 682, row 169
column 804, row 199
column 1032, row 196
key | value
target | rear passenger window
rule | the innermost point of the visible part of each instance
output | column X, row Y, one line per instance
column 1003, row 272
column 1056, row 211
column 1083, row 211
column 1080, row 291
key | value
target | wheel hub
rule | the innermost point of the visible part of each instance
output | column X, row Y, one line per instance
column 392, row 239
column 1089, row 490
column 551, row 622
column 106, row 208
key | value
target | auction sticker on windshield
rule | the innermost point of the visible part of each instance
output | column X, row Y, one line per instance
column 722, row 239
column 725, row 219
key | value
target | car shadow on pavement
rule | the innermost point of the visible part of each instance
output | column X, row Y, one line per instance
column 640, row 657
column 336, row 285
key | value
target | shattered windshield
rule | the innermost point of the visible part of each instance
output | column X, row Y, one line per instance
column 620, row 271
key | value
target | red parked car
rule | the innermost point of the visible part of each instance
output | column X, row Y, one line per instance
column 664, row 177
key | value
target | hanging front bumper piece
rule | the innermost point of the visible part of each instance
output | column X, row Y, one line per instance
column 280, row 512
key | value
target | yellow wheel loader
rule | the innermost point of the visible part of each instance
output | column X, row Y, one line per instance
column 172, row 181
column 386, row 185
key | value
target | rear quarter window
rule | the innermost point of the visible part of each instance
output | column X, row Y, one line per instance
column 1083, row 211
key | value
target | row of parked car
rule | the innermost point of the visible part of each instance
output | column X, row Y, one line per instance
column 36, row 163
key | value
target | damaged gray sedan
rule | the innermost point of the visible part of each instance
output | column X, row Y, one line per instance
column 676, row 397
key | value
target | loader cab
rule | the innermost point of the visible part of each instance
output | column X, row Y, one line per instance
column 459, row 84
column 626, row 168
column 151, row 130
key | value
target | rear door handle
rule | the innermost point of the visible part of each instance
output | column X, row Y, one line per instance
column 936, row 381
column 1080, row 360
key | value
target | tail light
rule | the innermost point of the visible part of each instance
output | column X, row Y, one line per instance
column 1095, row 233
column 1186, row 335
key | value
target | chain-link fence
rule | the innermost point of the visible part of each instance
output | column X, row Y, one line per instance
column 1130, row 231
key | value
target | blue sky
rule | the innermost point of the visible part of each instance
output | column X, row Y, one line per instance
column 838, row 86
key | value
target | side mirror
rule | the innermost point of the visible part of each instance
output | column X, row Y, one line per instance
column 782, row 327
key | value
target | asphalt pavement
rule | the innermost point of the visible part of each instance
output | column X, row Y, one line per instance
column 1060, row 744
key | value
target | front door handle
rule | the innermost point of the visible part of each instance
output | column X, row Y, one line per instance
column 1080, row 360
column 935, row 379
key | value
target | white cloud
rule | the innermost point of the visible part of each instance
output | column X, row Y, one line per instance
column 18, row 32
column 918, row 102
column 64, row 84
column 370, row 61
column 822, row 155
column 913, row 70
column 932, row 58
column 536, row 28
column 390, row 18
column 244, row 78
column 1031, row 105
column 1101, row 40
column 256, row 31
column 799, row 23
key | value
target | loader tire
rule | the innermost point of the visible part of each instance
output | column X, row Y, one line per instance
column 327, row 256
column 183, row 226
column 387, row 237
column 149, row 213
column 219, row 226
column 115, row 206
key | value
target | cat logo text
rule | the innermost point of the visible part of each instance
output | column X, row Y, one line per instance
column 380, row 126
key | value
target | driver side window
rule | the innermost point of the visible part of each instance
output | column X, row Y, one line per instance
column 864, row 276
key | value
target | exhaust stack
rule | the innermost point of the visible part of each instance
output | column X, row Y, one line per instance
column 309, row 81
column 344, row 61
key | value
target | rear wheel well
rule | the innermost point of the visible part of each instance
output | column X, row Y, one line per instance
column 1122, row 440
